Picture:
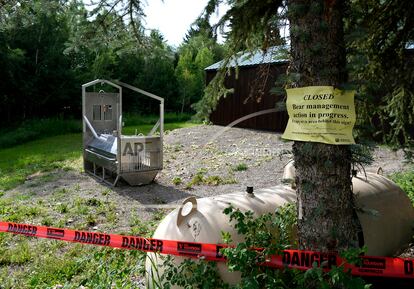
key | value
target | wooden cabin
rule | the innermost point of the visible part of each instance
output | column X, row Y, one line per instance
column 253, row 97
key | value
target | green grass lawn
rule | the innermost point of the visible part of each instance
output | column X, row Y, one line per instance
column 19, row 162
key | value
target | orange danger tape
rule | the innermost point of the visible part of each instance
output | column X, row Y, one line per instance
column 295, row 259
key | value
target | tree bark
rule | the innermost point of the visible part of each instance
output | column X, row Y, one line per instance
column 326, row 215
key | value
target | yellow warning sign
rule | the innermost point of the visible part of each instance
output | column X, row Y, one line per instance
column 320, row 114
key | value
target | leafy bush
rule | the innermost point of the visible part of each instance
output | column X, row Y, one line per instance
column 406, row 182
column 191, row 274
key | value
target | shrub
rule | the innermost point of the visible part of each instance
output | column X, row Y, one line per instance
column 406, row 181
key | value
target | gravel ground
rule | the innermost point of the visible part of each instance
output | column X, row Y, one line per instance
column 213, row 152
column 219, row 150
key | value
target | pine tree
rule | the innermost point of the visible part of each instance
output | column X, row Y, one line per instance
column 325, row 201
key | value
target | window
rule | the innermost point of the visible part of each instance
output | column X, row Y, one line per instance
column 107, row 112
column 96, row 112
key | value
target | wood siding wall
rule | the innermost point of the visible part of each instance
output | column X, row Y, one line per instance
column 235, row 106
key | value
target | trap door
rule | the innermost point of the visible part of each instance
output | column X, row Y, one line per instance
column 102, row 110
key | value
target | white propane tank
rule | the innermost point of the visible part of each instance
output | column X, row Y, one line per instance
column 384, row 210
column 387, row 218
column 203, row 220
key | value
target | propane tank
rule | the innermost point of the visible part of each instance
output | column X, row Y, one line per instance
column 203, row 220
column 386, row 215
column 384, row 211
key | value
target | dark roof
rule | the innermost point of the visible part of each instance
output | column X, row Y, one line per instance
column 275, row 54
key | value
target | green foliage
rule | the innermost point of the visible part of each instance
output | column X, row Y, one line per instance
column 36, row 129
column 405, row 180
column 251, row 26
column 381, row 68
column 36, row 77
column 198, row 51
column 274, row 232
column 177, row 181
column 240, row 167
column 212, row 94
column 49, row 48
column 269, row 231
column 200, row 178
column 191, row 274
column 361, row 155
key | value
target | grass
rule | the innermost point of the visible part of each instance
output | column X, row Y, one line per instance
column 240, row 167
column 134, row 119
column 200, row 178
column 36, row 263
column 177, row 181
column 146, row 128
column 37, row 129
column 40, row 156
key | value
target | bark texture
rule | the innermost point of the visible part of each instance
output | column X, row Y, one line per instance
column 327, row 218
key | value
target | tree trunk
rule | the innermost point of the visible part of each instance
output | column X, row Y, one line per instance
column 326, row 215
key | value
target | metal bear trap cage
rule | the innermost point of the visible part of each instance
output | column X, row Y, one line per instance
column 109, row 155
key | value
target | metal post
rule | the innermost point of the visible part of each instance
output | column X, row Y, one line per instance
column 83, row 125
column 118, row 139
column 161, row 134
